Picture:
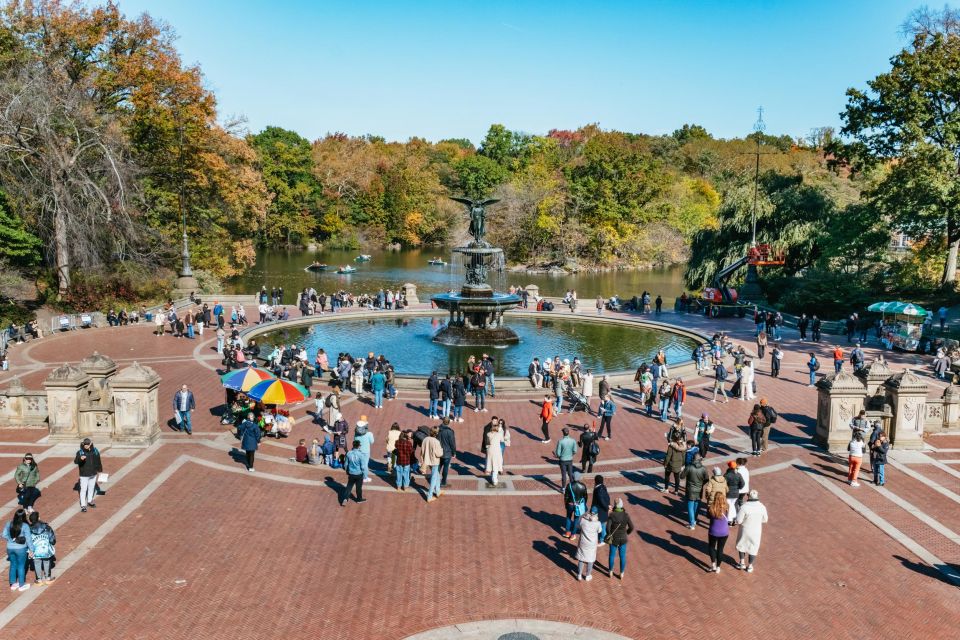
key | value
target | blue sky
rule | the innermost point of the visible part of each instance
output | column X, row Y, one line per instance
column 450, row 69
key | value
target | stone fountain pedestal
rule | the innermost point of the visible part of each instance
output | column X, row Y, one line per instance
column 476, row 313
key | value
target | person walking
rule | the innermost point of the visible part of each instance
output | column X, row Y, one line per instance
column 354, row 465
column 249, row 433
column 696, row 477
column 183, row 406
column 673, row 464
column 431, row 455
column 448, row 441
column 678, row 395
column 600, row 505
column 855, row 458
column 757, row 421
column 607, row 409
column 575, row 501
column 802, row 325
column 719, row 381
column 566, row 449
column 599, row 305
column 815, row 326
column 44, row 540
column 89, row 465
column 837, row 359
column 363, row 434
column 751, row 520
column 771, row 416
column 589, row 448
column 734, row 482
column 546, row 415
column 587, row 548
column 333, row 407
column 19, row 548
column 619, row 527
column 27, row 476
column 719, row 530
column 494, row 452
column 404, row 453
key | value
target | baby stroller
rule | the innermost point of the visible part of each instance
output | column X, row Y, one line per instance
column 577, row 401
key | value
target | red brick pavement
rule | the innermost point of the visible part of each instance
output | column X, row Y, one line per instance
column 214, row 553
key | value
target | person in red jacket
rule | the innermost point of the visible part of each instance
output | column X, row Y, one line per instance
column 546, row 415
column 678, row 395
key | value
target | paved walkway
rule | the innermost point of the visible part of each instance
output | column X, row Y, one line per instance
column 186, row 543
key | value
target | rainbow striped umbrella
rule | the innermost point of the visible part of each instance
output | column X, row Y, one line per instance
column 244, row 379
column 278, row 391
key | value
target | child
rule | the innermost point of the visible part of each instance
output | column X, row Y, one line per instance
column 301, row 454
column 327, row 450
column 318, row 404
column 314, row 452
column 692, row 450
column 43, row 539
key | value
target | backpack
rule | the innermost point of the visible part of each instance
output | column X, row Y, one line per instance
column 816, row 365
column 594, row 449
column 329, row 401
column 722, row 372
column 771, row 414
column 41, row 544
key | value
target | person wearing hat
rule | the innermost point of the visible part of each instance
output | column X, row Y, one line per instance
column 716, row 485
column 673, row 463
column 363, row 435
column 575, row 500
column 734, row 482
column 89, row 465
column 27, row 476
column 619, row 528
column 751, row 519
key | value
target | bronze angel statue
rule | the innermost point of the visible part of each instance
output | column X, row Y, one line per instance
column 478, row 217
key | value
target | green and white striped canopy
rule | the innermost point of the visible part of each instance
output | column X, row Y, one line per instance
column 902, row 308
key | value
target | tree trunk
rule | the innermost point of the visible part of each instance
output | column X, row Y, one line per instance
column 950, row 269
column 61, row 251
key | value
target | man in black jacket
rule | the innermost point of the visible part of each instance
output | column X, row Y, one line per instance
column 433, row 386
column 88, row 461
column 446, row 396
column 448, row 440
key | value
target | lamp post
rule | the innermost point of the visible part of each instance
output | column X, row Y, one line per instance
column 186, row 283
column 751, row 286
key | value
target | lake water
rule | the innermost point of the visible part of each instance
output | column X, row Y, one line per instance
column 407, row 343
column 390, row 269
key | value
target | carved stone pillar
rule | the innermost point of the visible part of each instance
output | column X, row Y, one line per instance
column 840, row 397
column 65, row 388
column 874, row 375
column 99, row 368
column 12, row 403
column 951, row 407
column 908, row 395
column 533, row 291
column 136, row 406
column 410, row 293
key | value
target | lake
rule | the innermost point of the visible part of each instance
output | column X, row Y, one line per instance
column 390, row 269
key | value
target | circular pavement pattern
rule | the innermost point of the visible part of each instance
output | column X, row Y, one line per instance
column 516, row 629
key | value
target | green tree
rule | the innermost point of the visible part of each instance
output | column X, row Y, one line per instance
column 909, row 117
column 18, row 246
column 287, row 165
column 478, row 175
column 689, row 132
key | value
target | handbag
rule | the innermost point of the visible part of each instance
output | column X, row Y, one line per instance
column 607, row 539
column 579, row 508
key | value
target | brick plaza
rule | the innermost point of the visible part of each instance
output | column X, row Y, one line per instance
column 187, row 544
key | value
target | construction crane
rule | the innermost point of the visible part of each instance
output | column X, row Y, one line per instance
column 718, row 299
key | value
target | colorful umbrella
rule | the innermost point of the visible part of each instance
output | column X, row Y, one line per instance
column 901, row 308
column 244, row 379
column 278, row 391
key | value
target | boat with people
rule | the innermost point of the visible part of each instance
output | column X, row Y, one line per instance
column 346, row 269
column 437, row 262
column 363, row 257
column 317, row 266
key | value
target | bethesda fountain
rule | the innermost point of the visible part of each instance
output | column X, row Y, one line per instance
column 476, row 312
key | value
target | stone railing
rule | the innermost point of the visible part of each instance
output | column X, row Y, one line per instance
column 20, row 407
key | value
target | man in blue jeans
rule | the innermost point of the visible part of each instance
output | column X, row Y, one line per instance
column 565, row 451
column 354, row 466
column 487, row 364
column 813, row 364
column 183, row 406
column 433, row 386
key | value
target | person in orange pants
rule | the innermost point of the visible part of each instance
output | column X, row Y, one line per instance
column 855, row 458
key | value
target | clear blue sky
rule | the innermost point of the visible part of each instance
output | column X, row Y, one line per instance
column 441, row 69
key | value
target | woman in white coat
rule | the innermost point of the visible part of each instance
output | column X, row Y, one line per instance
column 494, row 453
column 751, row 518
column 751, row 376
column 587, row 548
column 587, row 388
